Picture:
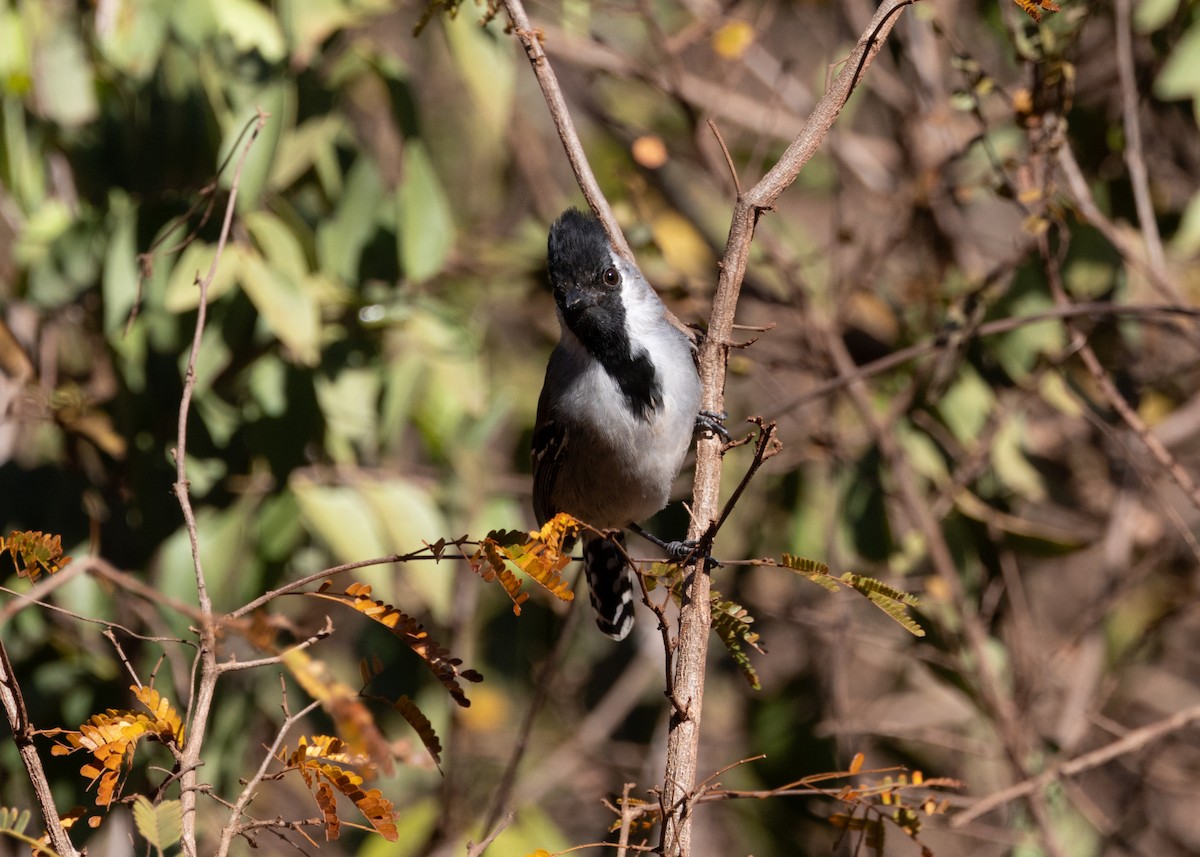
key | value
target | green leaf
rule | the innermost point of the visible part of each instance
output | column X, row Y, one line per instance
column 49, row 222
column 891, row 601
column 341, row 238
column 485, row 59
column 966, row 405
column 1020, row 350
column 811, row 569
column 1180, row 75
column 426, row 230
column 278, row 244
column 161, row 825
column 133, row 39
column 252, row 27
column 341, row 518
column 63, row 78
column 1186, row 241
column 300, row 148
column 288, row 307
column 121, row 275
column 278, row 102
column 731, row 623
column 1013, row 468
column 1151, row 15
column 14, row 819
column 350, row 405
column 16, row 62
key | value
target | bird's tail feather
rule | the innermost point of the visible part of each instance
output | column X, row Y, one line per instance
column 610, row 581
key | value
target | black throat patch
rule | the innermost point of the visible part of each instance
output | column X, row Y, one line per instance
column 601, row 329
column 578, row 254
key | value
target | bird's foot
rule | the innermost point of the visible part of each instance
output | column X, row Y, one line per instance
column 679, row 551
column 713, row 422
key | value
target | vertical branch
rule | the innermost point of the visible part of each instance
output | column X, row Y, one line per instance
column 691, row 646
column 1134, row 156
column 206, row 659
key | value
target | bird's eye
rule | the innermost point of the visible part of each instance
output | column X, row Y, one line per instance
column 611, row 276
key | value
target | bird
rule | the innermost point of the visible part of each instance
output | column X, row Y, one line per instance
column 617, row 412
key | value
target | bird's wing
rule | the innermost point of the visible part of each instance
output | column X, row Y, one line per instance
column 549, row 443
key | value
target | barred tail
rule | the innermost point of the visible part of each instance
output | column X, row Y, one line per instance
column 610, row 581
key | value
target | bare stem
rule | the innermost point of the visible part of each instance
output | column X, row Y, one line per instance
column 531, row 40
column 234, row 825
column 200, row 704
column 683, row 741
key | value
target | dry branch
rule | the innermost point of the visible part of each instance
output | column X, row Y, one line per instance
column 691, row 647
column 200, row 704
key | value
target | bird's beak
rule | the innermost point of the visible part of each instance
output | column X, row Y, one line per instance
column 576, row 300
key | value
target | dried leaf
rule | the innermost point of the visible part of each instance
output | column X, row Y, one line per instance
column 410, row 631
column 354, row 720
column 34, row 552
column 112, row 736
column 377, row 809
column 418, row 721
column 327, row 803
column 1034, row 8
column 542, row 557
column 489, row 564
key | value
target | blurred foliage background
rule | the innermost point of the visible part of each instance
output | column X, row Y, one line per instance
column 379, row 325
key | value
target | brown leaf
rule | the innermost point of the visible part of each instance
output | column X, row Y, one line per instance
column 1034, row 8
column 409, row 630
column 34, row 552
column 418, row 721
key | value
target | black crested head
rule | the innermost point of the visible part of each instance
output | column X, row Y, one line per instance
column 587, row 289
column 577, row 248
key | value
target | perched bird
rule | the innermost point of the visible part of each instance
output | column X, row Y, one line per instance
column 618, row 407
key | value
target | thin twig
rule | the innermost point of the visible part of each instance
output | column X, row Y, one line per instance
column 1159, row 277
column 1134, row 155
column 1131, row 743
column 737, row 183
column 235, row 665
column 531, row 40
column 477, row 850
column 234, row 826
column 1100, row 309
column 768, row 446
column 1112, row 395
column 205, row 666
column 627, row 816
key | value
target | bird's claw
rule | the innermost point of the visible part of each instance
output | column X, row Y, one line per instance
column 713, row 422
column 681, row 550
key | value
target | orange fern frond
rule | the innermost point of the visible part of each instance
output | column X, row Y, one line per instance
column 488, row 563
column 34, row 552
column 1034, row 8
column 354, row 720
column 418, row 721
column 111, row 738
column 408, row 629
column 322, row 778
